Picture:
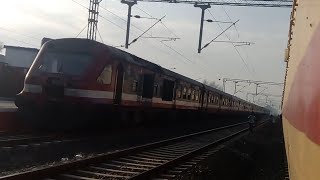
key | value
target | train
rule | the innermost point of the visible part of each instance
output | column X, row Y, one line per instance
column 300, row 114
column 74, row 72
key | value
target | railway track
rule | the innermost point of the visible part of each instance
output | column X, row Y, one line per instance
column 11, row 141
column 164, row 159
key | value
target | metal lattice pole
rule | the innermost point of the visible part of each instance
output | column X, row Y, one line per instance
column 93, row 19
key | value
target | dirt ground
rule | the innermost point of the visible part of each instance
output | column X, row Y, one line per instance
column 257, row 156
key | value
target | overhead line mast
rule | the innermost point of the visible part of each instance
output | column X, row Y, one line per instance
column 93, row 19
column 254, row 3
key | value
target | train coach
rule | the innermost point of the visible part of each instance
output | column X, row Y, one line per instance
column 83, row 73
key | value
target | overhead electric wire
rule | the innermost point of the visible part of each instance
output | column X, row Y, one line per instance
column 119, row 17
column 242, row 59
column 100, row 16
column 180, row 54
column 160, row 22
column 82, row 30
column 134, row 40
column 22, row 41
column 235, row 27
column 15, row 32
column 100, row 35
column 219, row 35
column 171, row 48
column 143, row 11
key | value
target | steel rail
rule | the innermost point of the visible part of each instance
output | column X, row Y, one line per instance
column 153, row 172
column 71, row 166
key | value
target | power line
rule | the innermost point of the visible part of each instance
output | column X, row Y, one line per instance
column 120, row 18
column 242, row 59
column 171, row 48
column 144, row 11
column 100, row 35
column 219, row 35
column 22, row 41
column 252, row 3
column 99, row 15
column 160, row 22
column 235, row 27
column 82, row 30
column 15, row 32
column 133, row 41
column 169, row 29
column 180, row 54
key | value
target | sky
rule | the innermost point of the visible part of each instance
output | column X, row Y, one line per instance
column 25, row 23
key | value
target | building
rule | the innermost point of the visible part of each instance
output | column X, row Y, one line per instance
column 19, row 57
column 14, row 65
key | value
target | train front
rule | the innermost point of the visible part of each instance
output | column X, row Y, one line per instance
column 60, row 71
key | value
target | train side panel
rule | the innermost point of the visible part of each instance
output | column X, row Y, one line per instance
column 301, row 115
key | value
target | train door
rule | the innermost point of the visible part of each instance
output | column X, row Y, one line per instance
column 168, row 90
column 119, row 84
column 148, row 85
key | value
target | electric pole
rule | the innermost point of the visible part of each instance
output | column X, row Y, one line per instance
column 130, row 4
column 93, row 19
column 203, row 8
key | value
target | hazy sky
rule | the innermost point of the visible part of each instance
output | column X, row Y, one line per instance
column 24, row 23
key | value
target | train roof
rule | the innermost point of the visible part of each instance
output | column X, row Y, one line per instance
column 123, row 55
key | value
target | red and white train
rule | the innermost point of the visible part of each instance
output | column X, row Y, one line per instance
column 86, row 73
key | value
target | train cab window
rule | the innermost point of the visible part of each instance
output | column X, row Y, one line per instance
column 59, row 62
column 197, row 96
column 205, row 97
column 105, row 76
column 184, row 93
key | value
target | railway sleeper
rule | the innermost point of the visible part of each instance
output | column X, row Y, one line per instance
column 162, row 156
column 154, row 156
column 121, row 167
column 148, row 159
column 133, row 164
column 111, row 170
column 142, row 162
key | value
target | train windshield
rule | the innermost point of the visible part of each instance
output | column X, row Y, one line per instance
column 65, row 63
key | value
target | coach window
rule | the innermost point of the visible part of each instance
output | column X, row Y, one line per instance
column 178, row 92
column 193, row 95
column 205, row 97
column 197, row 95
column 134, row 85
column 167, row 90
column 155, row 90
column 105, row 76
column 189, row 94
column 184, row 93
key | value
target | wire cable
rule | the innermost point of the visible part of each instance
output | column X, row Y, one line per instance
column 100, row 35
column 82, row 30
column 160, row 22
column 133, row 41
column 242, row 59
column 235, row 27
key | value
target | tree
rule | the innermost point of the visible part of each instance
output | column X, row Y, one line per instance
column 212, row 84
